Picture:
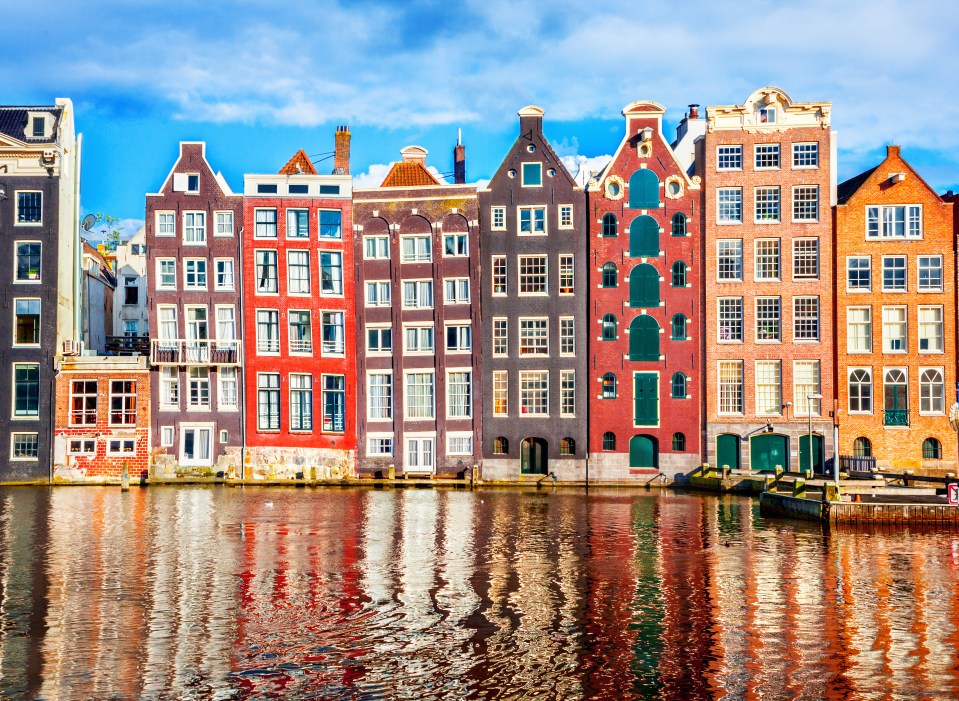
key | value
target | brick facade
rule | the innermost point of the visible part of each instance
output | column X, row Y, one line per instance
column 102, row 419
column 774, row 346
column 889, row 423
column 645, row 339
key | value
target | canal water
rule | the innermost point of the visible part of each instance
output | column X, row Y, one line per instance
column 230, row 592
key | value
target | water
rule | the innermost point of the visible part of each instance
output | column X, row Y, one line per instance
column 228, row 593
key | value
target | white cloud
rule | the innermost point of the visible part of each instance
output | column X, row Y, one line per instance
column 582, row 168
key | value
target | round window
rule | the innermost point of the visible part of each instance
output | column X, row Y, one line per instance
column 512, row 173
column 531, row 148
column 674, row 188
column 644, row 150
column 612, row 188
column 551, row 172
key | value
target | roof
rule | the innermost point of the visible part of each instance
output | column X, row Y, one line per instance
column 849, row 187
column 13, row 121
column 300, row 164
column 408, row 174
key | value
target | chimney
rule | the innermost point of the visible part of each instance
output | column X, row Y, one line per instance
column 892, row 151
column 530, row 121
column 694, row 111
column 341, row 151
column 459, row 160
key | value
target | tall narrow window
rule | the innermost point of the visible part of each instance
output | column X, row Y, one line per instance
column 194, row 227
column 609, row 275
column 730, row 387
column 26, row 322
column 566, row 274
column 28, row 261
column 678, row 274
column 298, row 272
column 331, row 273
column 26, row 389
column 266, row 275
column 610, row 225
column 123, row 402
column 679, row 224
column 297, row 223
column 83, row 403
column 268, row 401
column 567, row 336
column 301, row 337
column 334, row 342
column 301, row 402
column 331, row 224
column 768, row 387
column 459, row 391
column 265, row 224
column 267, row 331
column 860, row 391
column 380, row 388
column 500, row 337
column 500, row 393
column 567, row 393
column 499, row 275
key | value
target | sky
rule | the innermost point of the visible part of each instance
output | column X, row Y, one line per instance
column 259, row 79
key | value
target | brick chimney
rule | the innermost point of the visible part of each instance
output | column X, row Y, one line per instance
column 694, row 111
column 341, row 151
column 459, row 160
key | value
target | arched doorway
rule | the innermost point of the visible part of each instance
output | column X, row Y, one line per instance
column 643, row 287
column 766, row 451
column 533, row 459
column 644, row 338
column 727, row 451
column 643, row 452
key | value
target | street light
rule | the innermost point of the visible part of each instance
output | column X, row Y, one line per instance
column 809, row 398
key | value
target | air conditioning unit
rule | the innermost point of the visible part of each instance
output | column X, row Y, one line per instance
column 72, row 347
column 49, row 155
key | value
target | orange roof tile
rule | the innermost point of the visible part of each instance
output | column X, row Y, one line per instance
column 300, row 164
column 409, row 174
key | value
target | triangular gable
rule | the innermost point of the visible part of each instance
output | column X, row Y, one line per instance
column 522, row 140
column 300, row 164
column 168, row 180
column 408, row 174
column 880, row 174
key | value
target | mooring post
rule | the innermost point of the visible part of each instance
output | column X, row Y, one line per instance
column 799, row 487
column 125, row 478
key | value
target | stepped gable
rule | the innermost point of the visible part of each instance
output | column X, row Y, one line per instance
column 300, row 164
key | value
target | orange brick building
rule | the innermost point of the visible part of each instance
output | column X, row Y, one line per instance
column 768, row 178
column 102, row 419
column 895, row 318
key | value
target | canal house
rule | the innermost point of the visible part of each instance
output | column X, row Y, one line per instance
column 39, row 208
column 196, row 348
column 645, row 357
column 299, row 314
column 769, row 183
column 895, row 319
column 533, row 294
column 417, row 253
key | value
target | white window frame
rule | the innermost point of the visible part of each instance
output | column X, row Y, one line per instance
column 217, row 217
column 498, row 218
column 500, row 393
column 872, row 391
column 533, row 230
column 459, row 435
column 420, row 286
column 468, row 414
column 857, row 324
column 733, row 153
column 920, row 267
column 418, row 256
column 905, row 274
column 942, row 387
column 197, row 263
column 197, row 215
column 374, row 410
column 415, row 332
column 800, row 197
column 159, row 272
column 258, row 225
column 767, row 151
column 567, row 337
column 859, row 290
column 537, row 340
column 924, row 325
column 730, row 206
column 529, row 375
column 777, row 408
column 459, row 286
column 459, row 326
column 541, row 290
column 796, row 151
column 375, row 241
column 904, row 325
column 500, row 333
column 801, row 405
column 565, row 217
column 378, row 329
column 217, row 262
column 304, row 254
column 159, row 217
column 378, row 298
column 407, row 395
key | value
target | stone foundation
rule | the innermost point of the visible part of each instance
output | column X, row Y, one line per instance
column 508, row 470
column 264, row 463
column 165, row 465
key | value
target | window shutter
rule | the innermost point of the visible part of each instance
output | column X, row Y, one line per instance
column 644, row 190
column 644, row 237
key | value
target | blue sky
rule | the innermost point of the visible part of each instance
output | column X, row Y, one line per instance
column 258, row 79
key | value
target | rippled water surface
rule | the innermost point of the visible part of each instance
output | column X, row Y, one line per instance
column 226, row 593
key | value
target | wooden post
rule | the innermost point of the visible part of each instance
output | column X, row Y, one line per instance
column 125, row 478
column 799, row 488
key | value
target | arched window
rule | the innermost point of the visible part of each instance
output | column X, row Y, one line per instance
column 679, row 443
column 500, row 446
column 931, row 449
column 679, row 385
column 609, row 441
column 567, row 446
column 644, row 237
column 644, row 338
column 609, row 386
column 679, row 327
column 679, row 274
column 609, row 328
column 610, row 225
column 895, row 398
column 931, row 392
column 860, row 390
column 643, row 287
column 610, row 276
column 862, row 447
column 679, row 224
column 643, row 190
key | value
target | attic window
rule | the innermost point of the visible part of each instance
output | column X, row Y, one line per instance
column 39, row 127
column 192, row 182
column 299, row 189
column 329, row 189
column 264, row 189
column 767, row 115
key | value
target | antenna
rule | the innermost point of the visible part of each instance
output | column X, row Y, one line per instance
column 88, row 222
column 459, row 137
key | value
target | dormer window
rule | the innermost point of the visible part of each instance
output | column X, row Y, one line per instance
column 767, row 115
column 39, row 127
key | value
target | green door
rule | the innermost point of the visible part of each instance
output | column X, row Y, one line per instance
column 767, row 451
column 643, row 190
column 643, row 287
column 644, row 238
column 645, row 399
column 727, row 451
column 532, row 456
column 817, row 453
column 642, row 451
column 644, row 338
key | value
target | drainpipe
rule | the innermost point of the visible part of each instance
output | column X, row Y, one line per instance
column 241, row 378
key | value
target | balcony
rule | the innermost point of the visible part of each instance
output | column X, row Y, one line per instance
column 896, row 417
column 300, row 345
column 196, row 352
column 127, row 345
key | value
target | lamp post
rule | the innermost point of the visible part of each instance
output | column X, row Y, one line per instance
column 809, row 400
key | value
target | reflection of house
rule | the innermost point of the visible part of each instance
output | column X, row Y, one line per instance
column 768, row 177
column 130, row 314
column 102, row 418
column 196, row 352
column 534, row 387
column 417, row 252
column 39, row 186
column 646, row 346
column 99, row 284
column 299, row 308
column 895, row 316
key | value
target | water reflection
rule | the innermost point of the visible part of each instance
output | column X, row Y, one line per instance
column 421, row 594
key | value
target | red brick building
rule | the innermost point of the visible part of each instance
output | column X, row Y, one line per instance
column 102, row 419
column 895, row 319
column 768, row 179
column 298, row 309
column 645, row 329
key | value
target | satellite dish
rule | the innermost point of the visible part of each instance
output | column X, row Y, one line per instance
column 88, row 222
column 954, row 416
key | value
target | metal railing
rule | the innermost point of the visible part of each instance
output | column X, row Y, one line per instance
column 301, row 345
column 127, row 345
column 195, row 352
column 896, row 417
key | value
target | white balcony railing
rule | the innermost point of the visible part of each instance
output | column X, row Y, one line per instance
column 195, row 352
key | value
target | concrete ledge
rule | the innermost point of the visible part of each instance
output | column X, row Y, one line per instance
column 772, row 504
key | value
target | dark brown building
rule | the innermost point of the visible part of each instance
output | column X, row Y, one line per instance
column 417, row 262
column 534, row 294
column 192, row 233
